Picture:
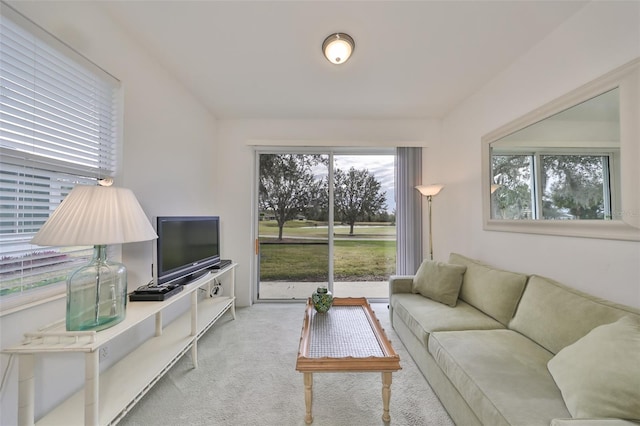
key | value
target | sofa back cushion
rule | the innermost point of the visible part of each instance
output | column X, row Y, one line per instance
column 493, row 291
column 599, row 375
column 555, row 316
column 439, row 281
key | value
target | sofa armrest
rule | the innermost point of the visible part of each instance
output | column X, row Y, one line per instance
column 592, row 422
column 400, row 284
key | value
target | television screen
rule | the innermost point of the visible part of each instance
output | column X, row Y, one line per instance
column 185, row 246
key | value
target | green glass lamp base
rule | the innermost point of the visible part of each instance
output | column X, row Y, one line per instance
column 100, row 324
column 96, row 294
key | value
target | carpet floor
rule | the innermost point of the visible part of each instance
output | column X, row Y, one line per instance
column 246, row 376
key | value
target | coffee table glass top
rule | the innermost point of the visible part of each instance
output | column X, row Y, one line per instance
column 330, row 338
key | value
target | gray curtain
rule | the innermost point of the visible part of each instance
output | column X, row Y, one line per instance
column 408, row 210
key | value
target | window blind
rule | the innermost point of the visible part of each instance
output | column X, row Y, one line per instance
column 59, row 126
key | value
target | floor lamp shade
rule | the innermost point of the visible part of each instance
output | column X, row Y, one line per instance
column 98, row 216
column 430, row 190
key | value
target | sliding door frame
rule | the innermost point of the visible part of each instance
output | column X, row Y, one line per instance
column 275, row 150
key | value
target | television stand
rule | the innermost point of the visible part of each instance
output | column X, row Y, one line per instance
column 107, row 396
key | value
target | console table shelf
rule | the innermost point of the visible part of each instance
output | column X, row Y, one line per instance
column 108, row 396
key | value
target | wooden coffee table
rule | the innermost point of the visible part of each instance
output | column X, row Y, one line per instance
column 347, row 338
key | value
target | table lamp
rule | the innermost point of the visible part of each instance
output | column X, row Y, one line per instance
column 98, row 216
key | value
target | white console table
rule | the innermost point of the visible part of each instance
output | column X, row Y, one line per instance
column 109, row 395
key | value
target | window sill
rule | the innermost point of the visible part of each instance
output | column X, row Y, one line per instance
column 12, row 304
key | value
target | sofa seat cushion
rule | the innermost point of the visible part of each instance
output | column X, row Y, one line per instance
column 494, row 291
column 423, row 316
column 501, row 374
column 592, row 422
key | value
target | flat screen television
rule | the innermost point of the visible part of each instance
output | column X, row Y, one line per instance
column 186, row 247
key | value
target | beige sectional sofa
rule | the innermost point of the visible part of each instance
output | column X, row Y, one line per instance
column 518, row 349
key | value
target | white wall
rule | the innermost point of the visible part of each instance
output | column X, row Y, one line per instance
column 599, row 38
column 169, row 162
column 237, row 140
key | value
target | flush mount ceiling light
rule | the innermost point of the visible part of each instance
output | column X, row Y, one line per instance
column 338, row 47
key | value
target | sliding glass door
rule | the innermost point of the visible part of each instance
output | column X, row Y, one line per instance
column 293, row 234
column 324, row 219
column 364, row 231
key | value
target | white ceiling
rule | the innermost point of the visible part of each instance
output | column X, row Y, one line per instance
column 263, row 59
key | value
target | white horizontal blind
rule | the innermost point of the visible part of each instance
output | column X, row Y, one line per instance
column 59, row 126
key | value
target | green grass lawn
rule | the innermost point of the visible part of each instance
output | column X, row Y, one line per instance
column 304, row 255
column 307, row 228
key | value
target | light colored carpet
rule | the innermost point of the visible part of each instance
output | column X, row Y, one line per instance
column 246, row 376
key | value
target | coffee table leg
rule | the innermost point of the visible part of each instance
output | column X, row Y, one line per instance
column 386, row 396
column 308, row 396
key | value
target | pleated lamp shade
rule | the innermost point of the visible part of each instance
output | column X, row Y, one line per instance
column 96, row 215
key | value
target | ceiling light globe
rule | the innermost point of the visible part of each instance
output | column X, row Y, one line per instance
column 338, row 51
column 338, row 48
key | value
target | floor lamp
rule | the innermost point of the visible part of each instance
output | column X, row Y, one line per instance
column 96, row 216
column 429, row 191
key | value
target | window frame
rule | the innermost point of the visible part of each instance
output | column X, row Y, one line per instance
column 611, row 182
